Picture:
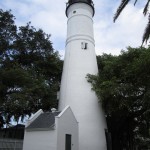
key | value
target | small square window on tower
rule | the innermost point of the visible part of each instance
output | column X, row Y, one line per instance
column 84, row 45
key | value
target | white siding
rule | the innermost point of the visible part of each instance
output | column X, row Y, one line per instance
column 67, row 124
column 75, row 90
column 40, row 140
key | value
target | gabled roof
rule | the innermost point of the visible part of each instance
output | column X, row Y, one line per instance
column 45, row 120
column 65, row 110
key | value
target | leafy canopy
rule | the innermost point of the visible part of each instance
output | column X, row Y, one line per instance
column 123, row 87
column 30, row 69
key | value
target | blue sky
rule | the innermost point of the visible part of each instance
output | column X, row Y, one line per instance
column 109, row 37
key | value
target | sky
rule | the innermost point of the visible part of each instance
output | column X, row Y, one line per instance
column 110, row 37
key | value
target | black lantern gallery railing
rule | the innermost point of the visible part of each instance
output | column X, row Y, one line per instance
column 89, row 2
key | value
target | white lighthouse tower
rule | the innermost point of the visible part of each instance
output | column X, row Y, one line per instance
column 80, row 60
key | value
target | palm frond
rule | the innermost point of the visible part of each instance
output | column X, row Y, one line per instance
column 146, row 34
column 135, row 2
column 145, row 11
column 120, row 8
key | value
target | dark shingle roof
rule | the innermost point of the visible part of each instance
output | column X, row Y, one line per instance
column 44, row 121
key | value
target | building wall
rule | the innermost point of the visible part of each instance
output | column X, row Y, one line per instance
column 75, row 89
column 66, row 123
column 40, row 140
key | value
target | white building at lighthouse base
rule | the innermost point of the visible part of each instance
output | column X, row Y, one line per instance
column 52, row 131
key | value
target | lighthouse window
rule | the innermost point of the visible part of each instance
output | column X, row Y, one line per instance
column 74, row 12
column 84, row 45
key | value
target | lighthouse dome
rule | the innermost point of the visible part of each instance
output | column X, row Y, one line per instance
column 89, row 2
column 83, row 1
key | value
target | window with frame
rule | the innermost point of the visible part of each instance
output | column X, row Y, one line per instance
column 84, row 45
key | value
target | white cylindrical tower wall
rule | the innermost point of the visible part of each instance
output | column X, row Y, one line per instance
column 80, row 60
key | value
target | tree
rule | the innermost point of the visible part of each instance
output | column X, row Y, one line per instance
column 123, row 87
column 1, row 121
column 30, row 69
column 123, row 4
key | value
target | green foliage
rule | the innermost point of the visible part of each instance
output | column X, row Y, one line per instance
column 30, row 69
column 123, row 87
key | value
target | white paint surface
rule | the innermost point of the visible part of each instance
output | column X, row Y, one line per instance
column 40, row 140
column 75, row 90
column 67, row 124
column 53, row 139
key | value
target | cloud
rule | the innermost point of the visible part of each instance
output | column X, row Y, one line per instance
column 109, row 37
column 127, row 31
column 46, row 14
